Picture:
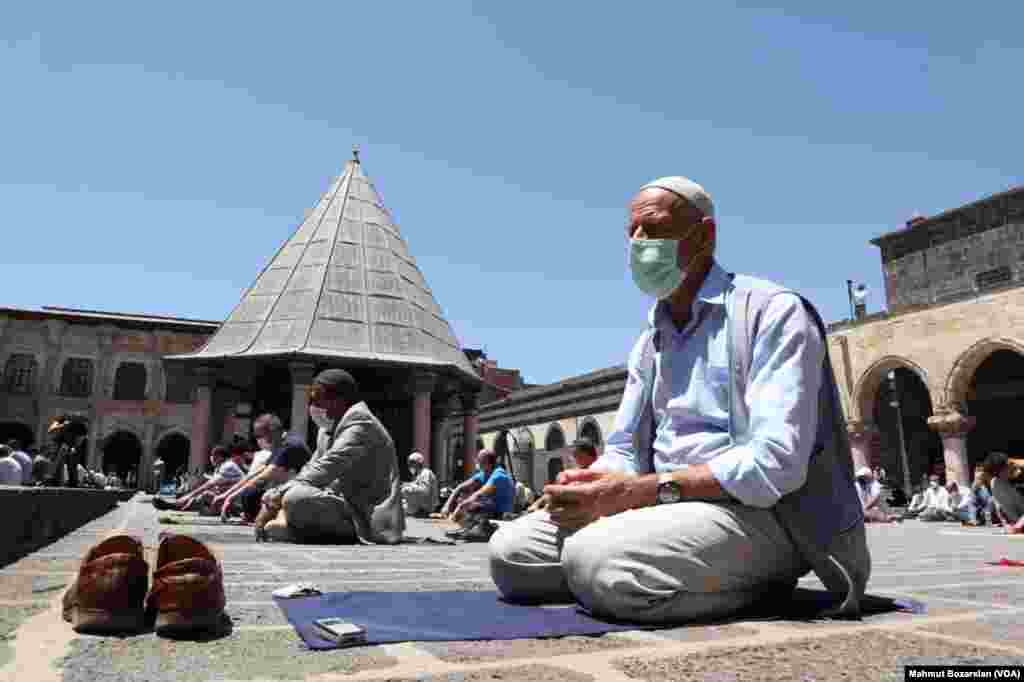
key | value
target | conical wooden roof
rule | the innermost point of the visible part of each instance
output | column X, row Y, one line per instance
column 343, row 286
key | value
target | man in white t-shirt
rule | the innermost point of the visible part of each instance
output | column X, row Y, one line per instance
column 227, row 472
column 870, row 492
column 936, row 502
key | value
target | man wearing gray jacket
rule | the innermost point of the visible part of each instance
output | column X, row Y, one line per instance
column 349, row 491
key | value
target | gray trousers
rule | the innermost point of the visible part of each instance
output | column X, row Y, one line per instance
column 316, row 515
column 664, row 563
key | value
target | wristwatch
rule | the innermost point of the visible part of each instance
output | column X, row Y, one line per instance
column 669, row 490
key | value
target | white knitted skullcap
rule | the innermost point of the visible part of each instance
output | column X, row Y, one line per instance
column 687, row 189
column 417, row 457
column 863, row 472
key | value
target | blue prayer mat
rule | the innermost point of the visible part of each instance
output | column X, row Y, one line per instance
column 467, row 615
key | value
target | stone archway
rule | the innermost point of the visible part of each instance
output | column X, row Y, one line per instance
column 900, row 408
column 555, row 467
column 122, row 454
column 17, row 431
column 174, row 450
column 994, row 401
column 871, row 380
column 554, row 439
column 592, row 431
column 960, row 377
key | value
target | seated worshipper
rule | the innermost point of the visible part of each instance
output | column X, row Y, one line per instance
column 227, row 472
column 421, row 495
column 492, row 500
column 70, row 438
column 278, row 461
column 977, row 505
column 524, row 497
column 458, row 494
column 41, row 468
column 870, row 491
column 1009, row 502
column 748, row 483
column 23, row 459
column 10, row 468
column 350, row 490
column 936, row 502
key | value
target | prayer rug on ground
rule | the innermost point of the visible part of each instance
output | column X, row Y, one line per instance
column 390, row 617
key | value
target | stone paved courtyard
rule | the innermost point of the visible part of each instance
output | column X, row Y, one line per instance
column 974, row 615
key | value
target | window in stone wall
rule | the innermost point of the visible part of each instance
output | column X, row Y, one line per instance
column 179, row 385
column 130, row 381
column 76, row 378
column 993, row 278
column 20, row 373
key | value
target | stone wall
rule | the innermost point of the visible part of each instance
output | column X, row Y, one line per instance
column 53, row 341
column 33, row 517
column 955, row 269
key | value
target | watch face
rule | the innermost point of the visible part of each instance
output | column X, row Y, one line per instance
column 669, row 492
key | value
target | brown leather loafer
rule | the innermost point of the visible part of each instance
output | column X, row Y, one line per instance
column 110, row 590
column 188, row 587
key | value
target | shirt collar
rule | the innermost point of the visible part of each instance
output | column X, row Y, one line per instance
column 712, row 291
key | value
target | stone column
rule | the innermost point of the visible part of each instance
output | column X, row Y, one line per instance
column 862, row 438
column 302, row 379
column 470, row 402
column 953, row 428
column 202, row 411
column 49, row 382
column 438, row 456
column 144, row 476
column 422, row 384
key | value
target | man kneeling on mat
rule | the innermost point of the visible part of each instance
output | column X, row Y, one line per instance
column 728, row 475
column 349, row 491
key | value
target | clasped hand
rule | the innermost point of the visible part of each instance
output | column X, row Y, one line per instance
column 581, row 496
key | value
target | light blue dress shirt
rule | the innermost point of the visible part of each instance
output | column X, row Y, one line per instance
column 691, row 397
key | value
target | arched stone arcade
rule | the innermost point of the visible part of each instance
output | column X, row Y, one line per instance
column 122, row 454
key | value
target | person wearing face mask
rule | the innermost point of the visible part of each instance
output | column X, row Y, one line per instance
column 278, row 460
column 870, row 491
column 421, row 495
column 935, row 502
column 349, row 491
column 728, row 474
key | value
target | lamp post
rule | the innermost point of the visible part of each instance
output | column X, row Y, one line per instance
column 895, row 402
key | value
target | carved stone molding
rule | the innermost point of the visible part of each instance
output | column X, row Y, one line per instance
column 422, row 382
column 949, row 423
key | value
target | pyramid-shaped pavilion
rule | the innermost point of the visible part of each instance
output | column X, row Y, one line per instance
column 343, row 291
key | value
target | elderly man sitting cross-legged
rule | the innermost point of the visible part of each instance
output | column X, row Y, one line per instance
column 350, row 490
column 728, row 475
column 421, row 494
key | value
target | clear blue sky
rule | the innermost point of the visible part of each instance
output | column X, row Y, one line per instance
column 156, row 155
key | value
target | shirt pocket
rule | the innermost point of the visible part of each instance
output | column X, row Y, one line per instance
column 716, row 385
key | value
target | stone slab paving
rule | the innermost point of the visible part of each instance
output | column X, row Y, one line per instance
column 975, row 613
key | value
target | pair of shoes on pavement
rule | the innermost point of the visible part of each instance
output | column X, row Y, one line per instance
column 111, row 592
